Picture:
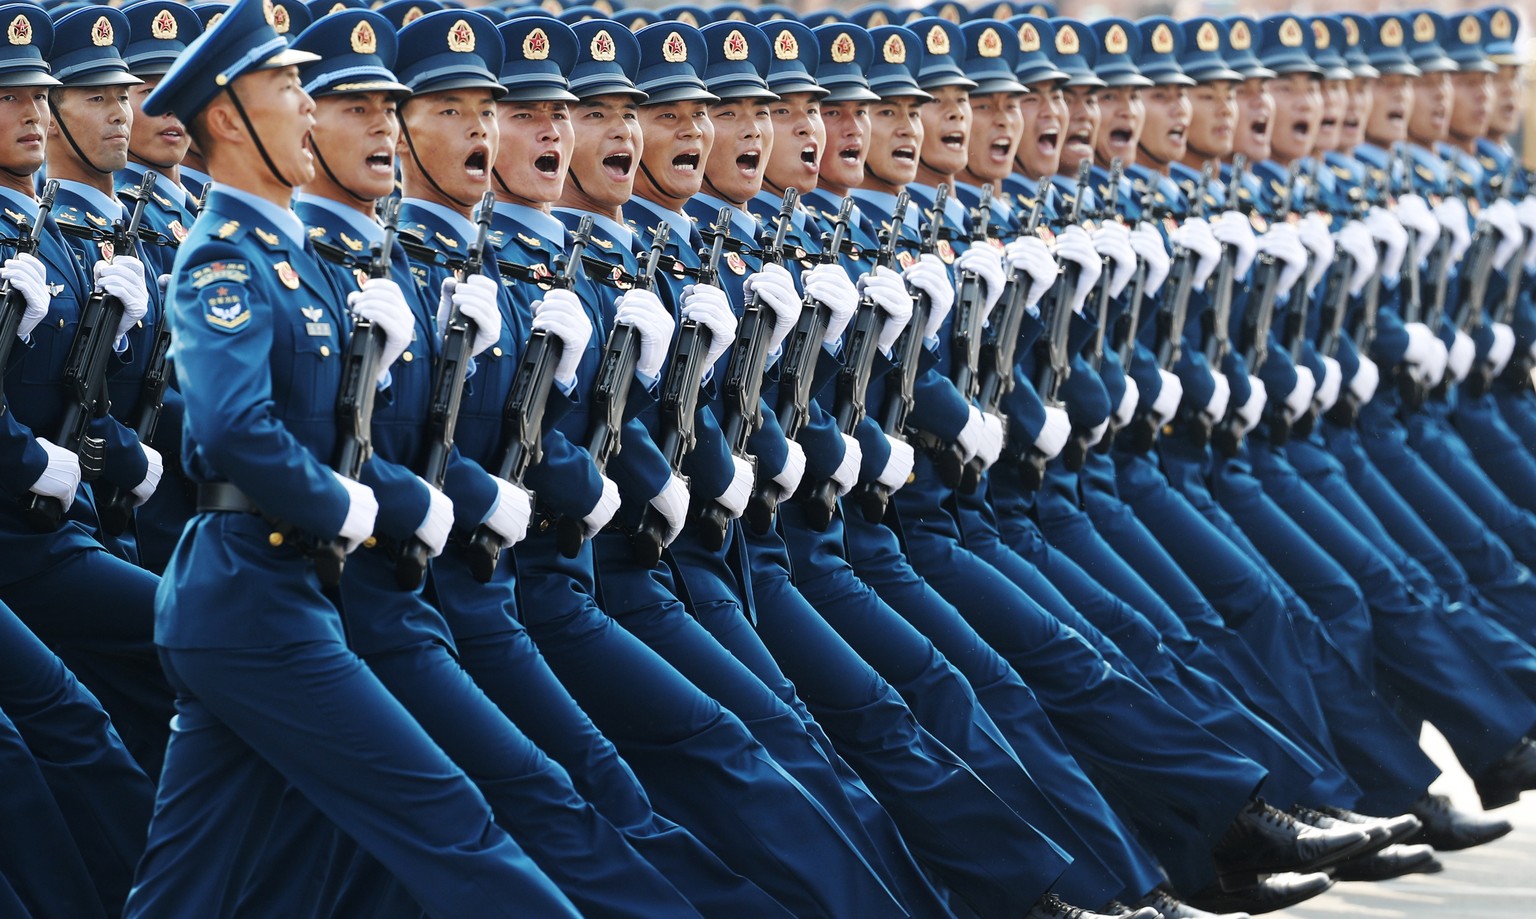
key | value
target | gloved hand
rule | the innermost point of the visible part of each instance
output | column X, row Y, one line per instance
column 1356, row 242
column 1031, row 256
column 775, row 289
column 1233, row 229
column 1459, row 360
column 1126, row 410
column 1363, row 384
column 788, row 478
column 1385, row 229
column 969, row 438
column 123, row 278
column 1526, row 211
column 1096, row 434
column 433, row 531
column 475, row 298
column 1328, row 390
column 1075, row 246
column 929, row 275
column 28, row 277
column 709, row 307
column 1054, row 433
column 61, row 477
column 1502, row 349
column 736, row 495
column 886, row 288
column 362, row 510
column 829, row 285
column 643, row 310
column 381, row 303
column 1502, row 217
column 1149, row 247
column 1221, row 394
column 1195, row 235
column 1318, row 238
column 1166, row 405
column 1414, row 214
column 992, row 436
column 1282, row 242
column 987, row 263
column 1299, row 399
column 154, row 469
column 846, row 475
column 1251, row 412
column 673, row 505
column 1452, row 215
column 1113, row 241
column 561, row 317
column 1425, row 354
column 607, row 505
column 898, row 466
column 509, row 521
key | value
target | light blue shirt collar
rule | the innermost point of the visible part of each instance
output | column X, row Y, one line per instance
column 103, row 205
column 369, row 231
column 543, row 225
column 743, row 223
column 163, row 185
column 610, row 227
column 681, row 224
column 467, row 229
column 286, row 221
column 25, row 204
column 885, row 203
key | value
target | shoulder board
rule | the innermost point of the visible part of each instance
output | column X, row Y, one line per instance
column 1343, row 173
column 230, row 230
column 317, row 232
column 356, row 245
column 448, row 241
column 163, row 201
column 533, row 242
column 1424, row 172
column 267, row 236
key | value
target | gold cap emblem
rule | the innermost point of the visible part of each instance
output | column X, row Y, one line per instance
column 101, row 32
column 785, row 47
column 1067, row 41
column 1162, row 39
column 1320, row 37
column 1291, row 35
column 735, row 46
column 894, row 50
column 842, row 48
column 411, row 15
column 950, row 12
column 1500, row 25
column 1423, row 28
column 1116, row 41
column 989, row 43
column 688, row 19
column 1206, row 37
column 163, row 26
column 364, row 41
column 1469, row 31
column 1241, row 38
column 1029, row 38
column 20, row 31
column 281, row 20
column 536, row 46
column 461, row 37
column 1391, row 33
column 878, row 18
column 602, row 46
column 673, row 49
column 1351, row 32
column 937, row 40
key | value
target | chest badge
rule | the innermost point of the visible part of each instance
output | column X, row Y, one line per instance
column 178, row 232
column 734, row 262
column 286, row 274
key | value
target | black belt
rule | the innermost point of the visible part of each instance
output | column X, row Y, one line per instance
column 225, row 498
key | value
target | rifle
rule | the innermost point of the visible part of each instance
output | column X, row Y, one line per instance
column 744, row 381
column 12, row 303
column 859, row 362
column 611, row 391
column 1075, row 454
column 85, row 372
column 523, row 414
column 873, row 496
column 1294, row 334
column 447, row 395
column 680, row 396
column 797, row 370
column 1129, row 323
column 1471, row 314
column 1219, row 343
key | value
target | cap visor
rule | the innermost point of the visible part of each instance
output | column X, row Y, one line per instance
column 850, row 93
column 680, row 94
column 1365, row 71
column 608, row 88
column 1213, row 74
column 28, row 78
column 1437, row 65
column 900, row 90
column 1042, row 75
column 100, row 78
column 1169, row 78
column 744, row 91
column 287, row 57
column 1121, row 80
column 1481, row 65
column 362, row 86
column 1507, row 60
column 998, row 85
column 1257, row 73
column 799, row 85
column 1338, row 72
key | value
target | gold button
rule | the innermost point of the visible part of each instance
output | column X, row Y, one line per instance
column 325, row 350
column 61, row 323
column 407, row 357
column 496, row 351
column 274, row 539
column 370, row 542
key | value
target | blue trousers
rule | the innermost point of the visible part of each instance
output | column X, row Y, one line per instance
column 1433, row 438
column 1518, row 406
column 1499, row 452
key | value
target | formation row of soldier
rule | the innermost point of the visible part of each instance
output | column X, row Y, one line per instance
column 481, row 463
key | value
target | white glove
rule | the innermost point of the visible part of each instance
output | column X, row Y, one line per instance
column 509, row 520
column 1233, row 229
column 1318, row 238
column 560, row 316
column 1459, row 359
column 1113, row 241
column 1126, row 410
column 61, row 477
column 434, row 528
column 789, row 477
column 1502, row 217
column 889, row 292
column 898, row 466
column 607, row 505
column 1363, row 384
column 1031, row 256
column 1097, row 433
column 709, row 307
column 829, row 285
column 1299, row 399
column 29, row 278
column 1526, row 211
column 992, row 436
column 1053, row 434
column 1355, row 240
column 1075, row 246
column 987, row 263
column 969, row 438
column 1250, row 412
column 643, row 310
column 154, row 469
column 1425, row 355
column 1282, row 242
column 775, row 289
column 1166, row 405
column 1413, row 213
column 740, row 490
column 1502, row 349
column 1196, row 236
column 381, row 303
column 1149, row 247
column 673, row 505
column 1452, row 215
column 1328, row 390
column 362, row 510
column 846, row 475
column 1221, row 395
column 1384, row 228
column 475, row 298
column 931, row 277
column 123, row 278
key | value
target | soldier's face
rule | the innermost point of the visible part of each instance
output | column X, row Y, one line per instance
column 1213, row 120
column 24, row 117
column 283, row 115
column 678, row 136
column 1121, row 115
column 1043, row 111
column 736, row 165
column 1165, row 135
column 534, row 151
column 1082, row 131
column 799, row 142
column 1391, row 104
column 947, row 130
column 161, row 142
column 99, row 118
column 1356, row 113
column 356, row 135
column 1335, row 103
column 609, row 142
column 1298, row 111
column 997, row 126
column 1504, row 117
column 847, row 127
column 455, row 136
column 1430, row 120
column 1473, row 105
column 1255, row 120
column 895, row 137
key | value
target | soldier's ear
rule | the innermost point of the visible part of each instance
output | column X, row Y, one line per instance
column 221, row 123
